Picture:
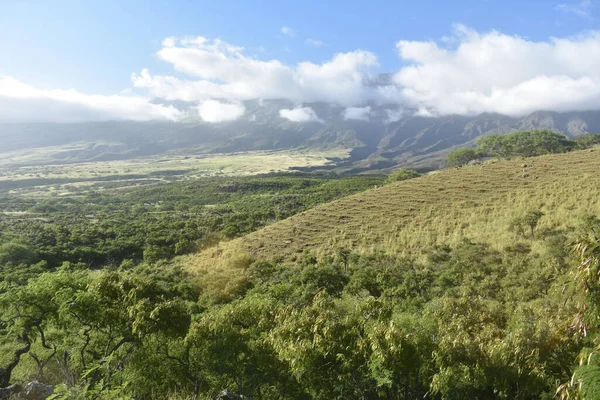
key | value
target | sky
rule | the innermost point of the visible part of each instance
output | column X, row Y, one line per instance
column 78, row 60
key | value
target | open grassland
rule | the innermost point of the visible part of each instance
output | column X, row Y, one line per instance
column 67, row 179
column 477, row 202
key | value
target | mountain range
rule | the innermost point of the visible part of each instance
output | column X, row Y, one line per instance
column 381, row 138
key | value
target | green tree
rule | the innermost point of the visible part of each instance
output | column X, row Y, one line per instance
column 461, row 157
column 16, row 253
column 528, row 221
column 587, row 140
column 524, row 144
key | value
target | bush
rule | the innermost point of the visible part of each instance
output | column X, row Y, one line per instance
column 402, row 175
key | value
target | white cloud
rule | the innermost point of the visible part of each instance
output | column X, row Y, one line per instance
column 305, row 114
column 394, row 115
column 223, row 71
column 287, row 31
column 494, row 72
column 359, row 113
column 215, row 111
column 582, row 9
column 22, row 102
column 314, row 42
column 466, row 73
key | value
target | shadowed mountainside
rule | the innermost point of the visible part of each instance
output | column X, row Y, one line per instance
column 376, row 143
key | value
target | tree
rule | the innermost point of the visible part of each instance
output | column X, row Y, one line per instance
column 16, row 253
column 530, row 220
column 587, row 140
column 525, row 144
column 343, row 255
column 461, row 157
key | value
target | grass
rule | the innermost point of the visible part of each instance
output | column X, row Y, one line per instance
column 66, row 179
column 476, row 202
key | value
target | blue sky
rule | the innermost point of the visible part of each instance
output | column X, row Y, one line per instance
column 94, row 47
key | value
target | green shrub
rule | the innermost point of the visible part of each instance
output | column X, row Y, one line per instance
column 402, row 175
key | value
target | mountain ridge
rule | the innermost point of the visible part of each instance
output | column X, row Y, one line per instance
column 376, row 143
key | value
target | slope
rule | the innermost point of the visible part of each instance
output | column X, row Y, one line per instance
column 477, row 202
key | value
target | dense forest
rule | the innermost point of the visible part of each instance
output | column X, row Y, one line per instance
column 94, row 302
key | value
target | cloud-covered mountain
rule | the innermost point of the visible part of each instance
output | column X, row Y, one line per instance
column 378, row 134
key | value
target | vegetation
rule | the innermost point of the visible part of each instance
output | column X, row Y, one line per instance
column 521, row 144
column 42, row 173
column 461, row 284
column 461, row 157
column 155, row 223
column 402, row 175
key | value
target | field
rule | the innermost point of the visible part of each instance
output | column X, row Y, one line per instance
column 73, row 178
column 476, row 202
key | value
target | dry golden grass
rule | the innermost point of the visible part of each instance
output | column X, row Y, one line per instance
column 476, row 202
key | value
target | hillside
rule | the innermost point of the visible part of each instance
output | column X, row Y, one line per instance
column 477, row 202
column 382, row 140
column 456, row 285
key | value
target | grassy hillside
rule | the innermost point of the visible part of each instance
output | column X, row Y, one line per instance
column 477, row 202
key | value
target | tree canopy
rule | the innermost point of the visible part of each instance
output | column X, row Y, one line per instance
column 521, row 144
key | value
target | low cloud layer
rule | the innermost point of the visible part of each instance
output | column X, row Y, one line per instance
column 20, row 102
column 305, row 114
column 358, row 113
column 466, row 73
column 216, row 111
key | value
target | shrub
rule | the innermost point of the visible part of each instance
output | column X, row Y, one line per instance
column 402, row 175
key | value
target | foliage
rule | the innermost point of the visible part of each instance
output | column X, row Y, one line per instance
column 157, row 223
column 585, row 382
column 469, row 318
column 402, row 175
column 461, row 157
column 524, row 144
column 529, row 221
column 587, row 140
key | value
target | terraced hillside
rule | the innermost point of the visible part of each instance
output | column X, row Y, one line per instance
column 477, row 202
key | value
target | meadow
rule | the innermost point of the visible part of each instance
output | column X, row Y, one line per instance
column 18, row 176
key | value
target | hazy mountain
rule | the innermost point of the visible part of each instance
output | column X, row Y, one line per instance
column 381, row 139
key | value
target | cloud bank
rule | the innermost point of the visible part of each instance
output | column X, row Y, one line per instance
column 304, row 114
column 359, row 113
column 466, row 73
column 224, row 72
column 20, row 102
column 215, row 111
column 494, row 72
